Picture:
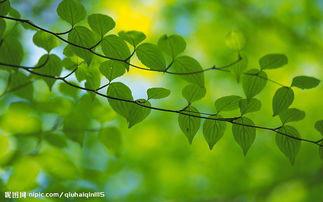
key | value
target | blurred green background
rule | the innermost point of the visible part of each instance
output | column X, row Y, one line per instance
column 155, row 163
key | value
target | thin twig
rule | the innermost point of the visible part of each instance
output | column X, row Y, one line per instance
column 69, row 74
column 106, row 85
column 95, row 45
column 66, row 32
column 320, row 140
column 264, row 78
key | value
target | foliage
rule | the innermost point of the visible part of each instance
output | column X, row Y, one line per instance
column 93, row 58
column 83, row 42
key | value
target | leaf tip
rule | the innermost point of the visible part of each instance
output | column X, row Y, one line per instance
column 130, row 125
column 190, row 140
column 211, row 146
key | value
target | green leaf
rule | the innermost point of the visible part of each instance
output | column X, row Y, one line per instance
column 84, row 37
column 138, row 113
column 112, row 69
column 26, row 144
column 11, row 51
column 185, row 65
column 238, row 68
column 72, row 11
column 213, row 130
column 21, row 85
column 56, row 140
column 305, row 82
column 253, row 82
column 69, row 64
column 291, row 115
column 249, row 105
column 93, row 78
column 122, row 92
column 2, row 27
column 101, row 24
column 321, row 152
column 157, row 93
column 5, row 7
column 55, row 104
column 244, row 135
column 227, row 103
column 19, row 170
column 273, row 61
column 132, row 37
column 282, row 99
column 188, row 123
column 81, row 72
column 68, row 90
column 235, row 40
column 193, row 92
column 319, row 126
column 68, row 51
column 6, row 150
column 15, row 13
column 114, row 47
column 52, row 67
column 29, row 120
column 78, row 119
column 112, row 139
column 289, row 146
column 44, row 40
column 173, row 45
column 151, row 56
column 89, row 73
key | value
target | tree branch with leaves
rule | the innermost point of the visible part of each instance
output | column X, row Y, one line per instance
column 91, row 53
